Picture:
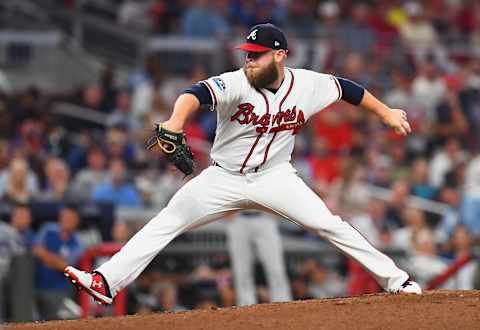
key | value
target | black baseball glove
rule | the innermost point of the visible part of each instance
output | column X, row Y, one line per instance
column 174, row 147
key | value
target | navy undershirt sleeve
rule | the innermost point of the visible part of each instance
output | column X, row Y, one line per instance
column 201, row 92
column 351, row 91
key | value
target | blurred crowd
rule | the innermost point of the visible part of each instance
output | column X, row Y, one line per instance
column 418, row 56
column 424, row 22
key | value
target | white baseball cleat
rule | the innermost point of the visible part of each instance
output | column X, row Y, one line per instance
column 409, row 287
column 93, row 283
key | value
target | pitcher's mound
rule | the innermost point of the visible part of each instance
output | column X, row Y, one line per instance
column 432, row 310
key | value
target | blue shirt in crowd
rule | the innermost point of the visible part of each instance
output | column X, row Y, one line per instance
column 201, row 22
column 71, row 250
column 125, row 195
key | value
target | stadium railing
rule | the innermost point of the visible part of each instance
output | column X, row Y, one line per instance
column 86, row 263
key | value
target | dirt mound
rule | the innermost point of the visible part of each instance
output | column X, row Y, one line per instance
column 433, row 310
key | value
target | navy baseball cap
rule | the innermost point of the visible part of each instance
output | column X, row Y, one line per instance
column 264, row 37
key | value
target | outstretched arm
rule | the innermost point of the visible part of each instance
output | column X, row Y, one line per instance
column 395, row 118
column 357, row 95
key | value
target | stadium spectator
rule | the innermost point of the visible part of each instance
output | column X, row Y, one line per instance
column 300, row 18
column 166, row 298
column 333, row 125
column 386, row 33
column 320, row 281
column 450, row 118
column 56, row 245
column 379, row 169
column 462, row 247
column 121, row 232
column 350, row 190
column 4, row 157
column 400, row 162
column 147, row 99
column 357, row 34
column 324, row 164
column 424, row 264
column 122, row 114
column 32, row 142
column 400, row 95
column 165, row 15
column 5, row 84
column 203, row 20
column 107, row 84
column 118, row 145
column 92, row 97
column 444, row 160
column 131, row 14
column 470, row 208
column 417, row 32
column 327, row 25
column 17, row 183
column 451, row 217
column 396, row 204
column 406, row 237
column 58, row 188
column 11, row 245
column 21, row 221
column 353, row 68
column 86, row 179
column 428, row 88
column 116, row 188
column 28, row 106
column 419, row 179
column 140, row 298
column 469, row 96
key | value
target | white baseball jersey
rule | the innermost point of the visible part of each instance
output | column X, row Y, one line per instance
column 255, row 127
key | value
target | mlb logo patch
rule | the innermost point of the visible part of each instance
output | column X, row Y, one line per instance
column 220, row 84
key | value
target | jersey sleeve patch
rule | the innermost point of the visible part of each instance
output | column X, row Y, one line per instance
column 219, row 84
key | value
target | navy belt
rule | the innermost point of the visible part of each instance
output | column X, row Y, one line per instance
column 250, row 213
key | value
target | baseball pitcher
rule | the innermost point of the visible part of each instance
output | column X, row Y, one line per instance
column 260, row 108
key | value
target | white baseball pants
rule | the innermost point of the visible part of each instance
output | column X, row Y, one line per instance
column 216, row 192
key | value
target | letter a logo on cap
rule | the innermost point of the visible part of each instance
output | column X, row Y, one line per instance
column 253, row 35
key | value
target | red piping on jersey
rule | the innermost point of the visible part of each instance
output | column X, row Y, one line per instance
column 266, row 152
column 258, row 137
column 289, row 90
column 279, row 109
column 210, row 89
column 338, row 87
column 250, row 153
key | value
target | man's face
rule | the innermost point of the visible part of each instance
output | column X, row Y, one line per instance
column 117, row 171
column 69, row 220
column 261, row 69
column 21, row 218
